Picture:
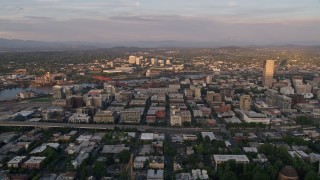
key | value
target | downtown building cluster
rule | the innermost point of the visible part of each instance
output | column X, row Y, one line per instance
column 200, row 122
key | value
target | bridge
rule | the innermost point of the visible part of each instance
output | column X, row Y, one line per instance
column 106, row 126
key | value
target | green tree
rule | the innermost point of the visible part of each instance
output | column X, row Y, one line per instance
column 229, row 175
column 304, row 120
column 99, row 169
column 291, row 140
column 302, row 167
column 124, row 156
column 266, row 148
column 206, row 139
column 169, row 150
column 84, row 174
column 271, row 171
column 192, row 159
column 124, row 175
column 260, row 176
column 311, row 175
column 37, row 177
column 201, row 149
column 236, row 150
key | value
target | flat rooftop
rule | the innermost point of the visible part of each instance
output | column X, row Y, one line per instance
column 35, row 160
column 114, row 149
column 16, row 159
column 230, row 157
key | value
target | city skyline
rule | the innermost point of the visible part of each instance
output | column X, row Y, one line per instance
column 130, row 20
column 160, row 113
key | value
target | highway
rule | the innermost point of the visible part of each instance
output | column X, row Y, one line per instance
column 106, row 126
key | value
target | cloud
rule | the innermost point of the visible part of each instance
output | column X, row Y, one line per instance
column 271, row 11
column 232, row 4
column 47, row 1
column 263, row 15
column 137, row 3
column 150, row 18
column 157, row 28
column 93, row 12
column 39, row 17
column 94, row 5
column 128, row 20
column 132, row 18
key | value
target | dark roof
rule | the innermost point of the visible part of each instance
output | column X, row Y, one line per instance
column 19, row 177
column 289, row 171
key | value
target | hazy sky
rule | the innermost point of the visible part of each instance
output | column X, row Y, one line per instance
column 153, row 20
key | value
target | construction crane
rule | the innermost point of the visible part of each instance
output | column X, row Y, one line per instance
column 130, row 167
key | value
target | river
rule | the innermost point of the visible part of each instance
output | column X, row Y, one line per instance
column 10, row 94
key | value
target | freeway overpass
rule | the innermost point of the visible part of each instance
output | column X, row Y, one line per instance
column 105, row 126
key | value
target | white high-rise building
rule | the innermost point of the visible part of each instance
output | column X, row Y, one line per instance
column 132, row 59
column 111, row 64
column 197, row 93
column 208, row 79
column 268, row 70
column 245, row 102
column 138, row 61
column 58, row 92
column 154, row 61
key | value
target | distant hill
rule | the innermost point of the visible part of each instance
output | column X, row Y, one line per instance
column 30, row 45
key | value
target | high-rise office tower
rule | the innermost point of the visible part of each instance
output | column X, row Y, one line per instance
column 245, row 102
column 209, row 79
column 268, row 70
column 132, row 59
column 153, row 61
column 138, row 61
column 57, row 92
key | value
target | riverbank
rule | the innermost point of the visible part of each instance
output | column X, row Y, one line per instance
column 42, row 98
column 8, row 95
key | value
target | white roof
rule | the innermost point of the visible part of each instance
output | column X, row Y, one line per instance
column 38, row 149
column 43, row 147
column 141, row 158
column 72, row 133
column 232, row 120
column 146, row 136
column 294, row 154
column 302, row 154
column 253, row 135
column 131, row 134
column 16, row 159
column 53, row 145
column 160, row 136
column 84, row 138
column 176, row 137
column 114, row 149
column 155, row 173
column 230, row 157
column 199, row 174
column 208, row 134
column 35, row 160
column 250, row 149
column 35, row 119
column 26, row 113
